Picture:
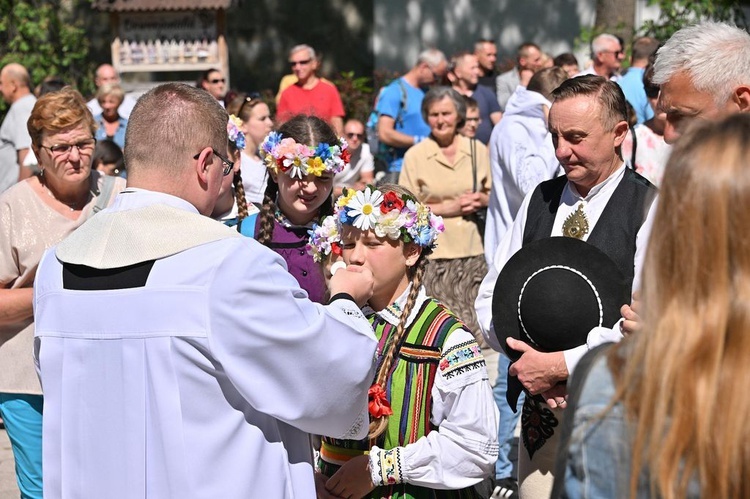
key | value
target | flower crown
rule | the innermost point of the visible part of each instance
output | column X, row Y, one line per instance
column 393, row 215
column 298, row 160
column 235, row 134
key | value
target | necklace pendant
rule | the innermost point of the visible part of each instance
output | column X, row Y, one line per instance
column 576, row 225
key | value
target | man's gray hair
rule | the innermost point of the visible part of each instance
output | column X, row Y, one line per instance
column 301, row 47
column 431, row 57
column 716, row 57
column 601, row 43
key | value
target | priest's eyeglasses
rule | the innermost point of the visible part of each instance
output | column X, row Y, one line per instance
column 228, row 165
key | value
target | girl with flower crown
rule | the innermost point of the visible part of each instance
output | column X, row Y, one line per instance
column 433, row 420
column 302, row 158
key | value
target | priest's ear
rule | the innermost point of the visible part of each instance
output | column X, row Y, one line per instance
column 741, row 98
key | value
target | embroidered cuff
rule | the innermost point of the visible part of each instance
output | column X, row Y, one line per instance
column 461, row 358
column 386, row 466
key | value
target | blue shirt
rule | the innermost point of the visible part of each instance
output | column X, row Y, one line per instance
column 487, row 102
column 407, row 113
column 632, row 86
column 119, row 137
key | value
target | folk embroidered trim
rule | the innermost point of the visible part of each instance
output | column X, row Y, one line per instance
column 461, row 358
column 386, row 466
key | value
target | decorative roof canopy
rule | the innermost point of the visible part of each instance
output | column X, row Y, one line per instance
column 155, row 5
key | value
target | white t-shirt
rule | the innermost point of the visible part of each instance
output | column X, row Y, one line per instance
column 361, row 161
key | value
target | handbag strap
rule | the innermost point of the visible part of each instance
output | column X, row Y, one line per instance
column 473, row 149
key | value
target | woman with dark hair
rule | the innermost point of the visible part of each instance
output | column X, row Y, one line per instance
column 451, row 174
column 302, row 158
column 108, row 159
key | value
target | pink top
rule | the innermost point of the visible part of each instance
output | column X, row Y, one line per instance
column 651, row 153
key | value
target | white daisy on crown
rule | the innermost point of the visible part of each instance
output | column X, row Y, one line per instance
column 392, row 215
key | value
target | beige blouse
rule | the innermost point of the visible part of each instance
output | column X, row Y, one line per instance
column 432, row 178
column 28, row 226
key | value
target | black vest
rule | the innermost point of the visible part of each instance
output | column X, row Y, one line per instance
column 615, row 231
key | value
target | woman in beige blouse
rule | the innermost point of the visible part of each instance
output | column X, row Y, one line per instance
column 35, row 214
column 439, row 172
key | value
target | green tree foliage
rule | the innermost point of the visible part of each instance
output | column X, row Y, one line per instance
column 46, row 38
column 676, row 14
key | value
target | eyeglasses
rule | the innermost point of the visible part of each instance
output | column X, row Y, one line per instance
column 360, row 136
column 473, row 120
column 300, row 63
column 217, row 80
column 85, row 147
column 228, row 165
column 616, row 52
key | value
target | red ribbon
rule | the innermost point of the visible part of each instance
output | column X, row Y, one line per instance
column 378, row 403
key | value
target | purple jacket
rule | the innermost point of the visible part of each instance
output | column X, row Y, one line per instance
column 290, row 242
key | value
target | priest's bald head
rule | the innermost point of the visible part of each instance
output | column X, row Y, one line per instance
column 171, row 144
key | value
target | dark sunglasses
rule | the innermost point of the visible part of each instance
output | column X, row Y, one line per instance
column 360, row 136
column 300, row 63
column 217, row 80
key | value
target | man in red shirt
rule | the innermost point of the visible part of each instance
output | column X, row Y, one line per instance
column 310, row 94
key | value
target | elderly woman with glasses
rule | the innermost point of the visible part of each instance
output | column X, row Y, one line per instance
column 451, row 173
column 35, row 214
column 257, row 122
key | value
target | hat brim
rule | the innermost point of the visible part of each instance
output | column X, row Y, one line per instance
column 603, row 273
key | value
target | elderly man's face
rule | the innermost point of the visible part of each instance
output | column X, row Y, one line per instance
column 612, row 57
column 7, row 87
column 106, row 74
column 583, row 146
column 303, row 65
column 683, row 104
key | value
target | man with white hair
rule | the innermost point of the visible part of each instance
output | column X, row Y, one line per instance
column 607, row 55
column 106, row 73
column 310, row 94
column 704, row 73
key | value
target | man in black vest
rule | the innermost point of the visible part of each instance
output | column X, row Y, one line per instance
column 599, row 200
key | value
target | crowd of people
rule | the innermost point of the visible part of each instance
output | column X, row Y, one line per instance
column 203, row 294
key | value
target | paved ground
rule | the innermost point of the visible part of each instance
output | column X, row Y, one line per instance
column 9, row 490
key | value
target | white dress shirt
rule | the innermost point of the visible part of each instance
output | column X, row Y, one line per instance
column 593, row 206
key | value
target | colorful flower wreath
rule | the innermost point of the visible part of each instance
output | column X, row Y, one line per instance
column 393, row 215
column 235, row 133
column 298, row 160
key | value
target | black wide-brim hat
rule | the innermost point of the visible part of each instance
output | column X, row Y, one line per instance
column 551, row 293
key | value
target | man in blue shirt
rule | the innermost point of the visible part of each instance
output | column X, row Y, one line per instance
column 632, row 82
column 399, row 107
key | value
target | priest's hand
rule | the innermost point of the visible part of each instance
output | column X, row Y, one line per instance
column 354, row 280
column 537, row 371
column 353, row 479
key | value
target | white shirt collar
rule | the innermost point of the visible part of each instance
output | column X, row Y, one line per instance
column 132, row 198
column 608, row 184
column 392, row 313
